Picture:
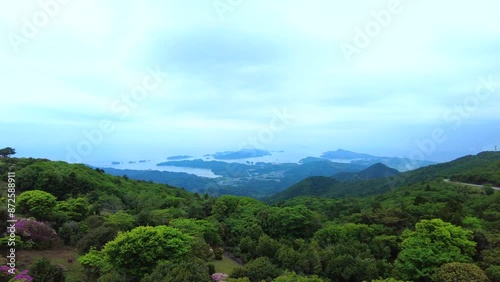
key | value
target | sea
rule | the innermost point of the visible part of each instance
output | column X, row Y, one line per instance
column 276, row 157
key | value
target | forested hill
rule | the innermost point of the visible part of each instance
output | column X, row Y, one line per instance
column 466, row 165
column 483, row 168
column 377, row 170
column 65, row 180
column 424, row 229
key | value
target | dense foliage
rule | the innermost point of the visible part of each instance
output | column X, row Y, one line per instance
column 417, row 228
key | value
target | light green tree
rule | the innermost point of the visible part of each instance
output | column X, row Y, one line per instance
column 36, row 203
column 77, row 209
column 122, row 220
column 138, row 251
column 432, row 244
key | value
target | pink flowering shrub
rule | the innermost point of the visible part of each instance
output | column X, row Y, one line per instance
column 40, row 233
column 6, row 276
column 220, row 277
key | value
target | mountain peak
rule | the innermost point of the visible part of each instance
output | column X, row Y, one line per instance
column 377, row 170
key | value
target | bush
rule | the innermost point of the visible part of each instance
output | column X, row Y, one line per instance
column 94, row 221
column 455, row 271
column 493, row 273
column 76, row 209
column 43, row 270
column 70, row 233
column 293, row 277
column 166, row 271
column 257, row 270
column 41, row 234
column 218, row 252
column 7, row 276
column 96, row 238
column 211, row 268
column 93, row 264
column 219, row 277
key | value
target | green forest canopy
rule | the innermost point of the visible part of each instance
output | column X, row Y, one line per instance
column 416, row 230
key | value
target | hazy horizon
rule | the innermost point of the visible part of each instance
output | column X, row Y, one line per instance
column 102, row 81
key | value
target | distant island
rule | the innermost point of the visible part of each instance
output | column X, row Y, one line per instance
column 344, row 154
column 241, row 154
column 176, row 158
column 115, row 163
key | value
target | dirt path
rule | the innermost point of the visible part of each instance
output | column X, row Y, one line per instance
column 469, row 184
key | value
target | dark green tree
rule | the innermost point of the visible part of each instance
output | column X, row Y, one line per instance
column 42, row 270
column 293, row 277
column 7, row 152
column 189, row 270
column 257, row 270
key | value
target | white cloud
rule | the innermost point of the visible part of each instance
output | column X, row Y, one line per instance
column 225, row 77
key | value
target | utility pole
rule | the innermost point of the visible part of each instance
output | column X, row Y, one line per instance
column 495, row 148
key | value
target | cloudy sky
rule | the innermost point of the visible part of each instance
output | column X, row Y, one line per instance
column 104, row 80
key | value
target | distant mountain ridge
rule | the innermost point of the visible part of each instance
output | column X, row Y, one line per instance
column 241, row 154
column 401, row 164
column 263, row 179
column 470, row 168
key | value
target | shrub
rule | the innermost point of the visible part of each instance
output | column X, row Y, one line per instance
column 96, row 238
column 40, row 233
column 43, row 270
column 493, row 273
column 219, row 277
column 211, row 268
column 70, row 233
column 36, row 203
column 6, row 276
column 187, row 270
column 257, row 270
column 456, row 271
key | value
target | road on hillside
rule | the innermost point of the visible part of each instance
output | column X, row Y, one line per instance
column 470, row 184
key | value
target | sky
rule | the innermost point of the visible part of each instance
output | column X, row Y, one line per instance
column 86, row 81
